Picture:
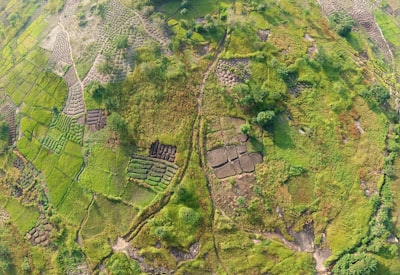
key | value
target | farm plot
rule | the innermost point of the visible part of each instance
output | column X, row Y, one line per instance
column 228, row 155
column 96, row 119
column 24, row 217
column 232, row 71
column 40, row 234
column 62, row 129
column 152, row 173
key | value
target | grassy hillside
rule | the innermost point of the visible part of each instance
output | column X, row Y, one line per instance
column 224, row 137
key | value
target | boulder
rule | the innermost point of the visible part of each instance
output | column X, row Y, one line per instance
column 217, row 157
column 225, row 171
column 246, row 163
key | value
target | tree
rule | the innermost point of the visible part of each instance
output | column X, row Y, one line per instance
column 188, row 215
column 264, row 118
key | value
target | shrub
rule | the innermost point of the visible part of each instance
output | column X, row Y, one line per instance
column 264, row 118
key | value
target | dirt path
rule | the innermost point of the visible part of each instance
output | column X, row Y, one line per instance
column 200, row 141
column 83, row 222
column 75, row 71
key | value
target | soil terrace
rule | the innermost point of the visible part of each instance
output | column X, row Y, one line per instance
column 232, row 71
column 40, row 234
column 162, row 151
column 96, row 119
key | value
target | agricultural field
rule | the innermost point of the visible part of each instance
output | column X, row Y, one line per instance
column 199, row 137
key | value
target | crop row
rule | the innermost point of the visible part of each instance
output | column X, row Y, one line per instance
column 55, row 145
column 69, row 127
column 153, row 172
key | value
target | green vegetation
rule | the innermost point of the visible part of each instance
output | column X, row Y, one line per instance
column 316, row 96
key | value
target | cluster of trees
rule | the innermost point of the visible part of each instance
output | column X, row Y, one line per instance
column 377, row 92
column 355, row 264
column 342, row 23
column 260, row 103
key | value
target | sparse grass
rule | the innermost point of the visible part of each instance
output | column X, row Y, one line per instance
column 105, row 213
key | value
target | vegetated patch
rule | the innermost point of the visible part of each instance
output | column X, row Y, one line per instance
column 232, row 71
column 96, row 119
column 26, row 187
column 151, row 173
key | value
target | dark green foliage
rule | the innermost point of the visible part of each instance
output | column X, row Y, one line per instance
column 265, row 118
column 119, row 264
column 97, row 90
column 117, row 123
column 245, row 128
column 355, row 264
column 342, row 23
column 5, row 258
column 380, row 93
column 3, row 135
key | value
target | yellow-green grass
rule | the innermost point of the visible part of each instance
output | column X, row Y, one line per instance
column 58, row 184
column 97, row 248
column 74, row 203
column 105, row 170
column 389, row 26
column 69, row 164
column 24, row 217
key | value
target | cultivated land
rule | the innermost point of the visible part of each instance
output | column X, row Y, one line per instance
column 199, row 137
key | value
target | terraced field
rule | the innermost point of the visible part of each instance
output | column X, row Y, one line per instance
column 152, row 173
column 62, row 128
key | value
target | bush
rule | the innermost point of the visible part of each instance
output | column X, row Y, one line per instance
column 245, row 128
column 121, row 42
column 380, row 93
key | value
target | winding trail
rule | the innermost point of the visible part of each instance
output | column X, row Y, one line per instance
column 200, row 141
column 85, row 219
